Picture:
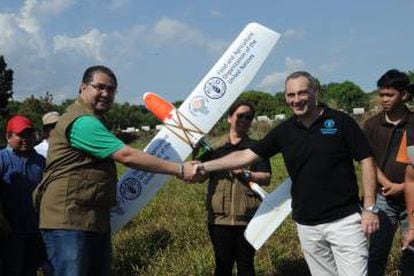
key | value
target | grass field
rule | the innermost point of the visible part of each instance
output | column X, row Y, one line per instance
column 169, row 237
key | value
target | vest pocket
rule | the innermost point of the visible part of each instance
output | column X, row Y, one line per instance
column 215, row 198
column 248, row 204
column 93, row 191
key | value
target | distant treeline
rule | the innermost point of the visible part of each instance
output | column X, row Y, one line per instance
column 345, row 96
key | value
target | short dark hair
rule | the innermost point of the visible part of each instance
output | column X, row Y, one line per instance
column 88, row 74
column 313, row 83
column 239, row 103
column 394, row 79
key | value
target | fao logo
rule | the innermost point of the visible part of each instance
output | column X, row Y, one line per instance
column 130, row 189
column 329, row 127
column 215, row 88
column 329, row 123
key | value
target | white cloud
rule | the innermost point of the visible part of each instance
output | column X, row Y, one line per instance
column 214, row 13
column 26, row 20
column 291, row 33
column 34, row 13
column 174, row 31
column 293, row 64
column 99, row 45
column 17, row 39
column 26, row 47
column 120, row 47
column 21, row 34
column 274, row 81
column 50, row 8
column 90, row 44
column 38, row 58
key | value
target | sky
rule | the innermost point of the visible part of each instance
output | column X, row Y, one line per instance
column 168, row 46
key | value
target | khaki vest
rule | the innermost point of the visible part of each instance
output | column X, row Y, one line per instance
column 229, row 201
column 77, row 190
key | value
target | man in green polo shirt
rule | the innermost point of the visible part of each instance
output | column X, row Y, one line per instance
column 79, row 184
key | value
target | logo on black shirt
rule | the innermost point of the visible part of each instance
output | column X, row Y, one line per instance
column 329, row 127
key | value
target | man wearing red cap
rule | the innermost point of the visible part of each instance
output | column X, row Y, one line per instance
column 21, row 170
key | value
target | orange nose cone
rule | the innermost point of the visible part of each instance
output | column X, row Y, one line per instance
column 158, row 106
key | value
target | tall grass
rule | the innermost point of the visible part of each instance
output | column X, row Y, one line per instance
column 169, row 237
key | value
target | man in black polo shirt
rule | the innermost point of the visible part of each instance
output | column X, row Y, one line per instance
column 318, row 146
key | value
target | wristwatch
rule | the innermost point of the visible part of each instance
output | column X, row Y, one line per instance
column 246, row 175
column 373, row 209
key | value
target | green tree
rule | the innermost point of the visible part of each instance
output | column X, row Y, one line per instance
column 411, row 76
column 121, row 116
column 281, row 103
column 345, row 95
column 411, row 87
column 34, row 108
column 264, row 103
column 6, row 92
column 6, row 85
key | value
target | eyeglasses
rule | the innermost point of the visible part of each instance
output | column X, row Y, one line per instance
column 243, row 116
column 101, row 87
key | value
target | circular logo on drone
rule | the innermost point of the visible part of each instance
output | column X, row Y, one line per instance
column 130, row 189
column 198, row 105
column 215, row 88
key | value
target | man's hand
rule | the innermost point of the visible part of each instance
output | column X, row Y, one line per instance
column 393, row 189
column 407, row 238
column 188, row 170
column 237, row 172
column 370, row 222
column 192, row 172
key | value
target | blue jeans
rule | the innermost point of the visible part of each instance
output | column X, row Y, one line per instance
column 392, row 214
column 82, row 253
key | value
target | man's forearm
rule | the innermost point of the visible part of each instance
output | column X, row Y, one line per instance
column 233, row 160
column 140, row 160
column 369, row 182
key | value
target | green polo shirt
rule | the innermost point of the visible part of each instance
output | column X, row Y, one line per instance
column 89, row 134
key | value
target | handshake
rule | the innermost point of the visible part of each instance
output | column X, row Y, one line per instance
column 193, row 171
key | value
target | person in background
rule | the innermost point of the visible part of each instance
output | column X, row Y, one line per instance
column 384, row 132
column 230, row 202
column 21, row 168
column 49, row 121
column 319, row 146
column 78, row 187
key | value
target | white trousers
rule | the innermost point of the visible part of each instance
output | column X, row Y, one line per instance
column 335, row 248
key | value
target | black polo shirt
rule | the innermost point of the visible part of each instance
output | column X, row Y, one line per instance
column 319, row 161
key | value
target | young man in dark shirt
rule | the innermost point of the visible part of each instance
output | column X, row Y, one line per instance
column 319, row 145
column 384, row 132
